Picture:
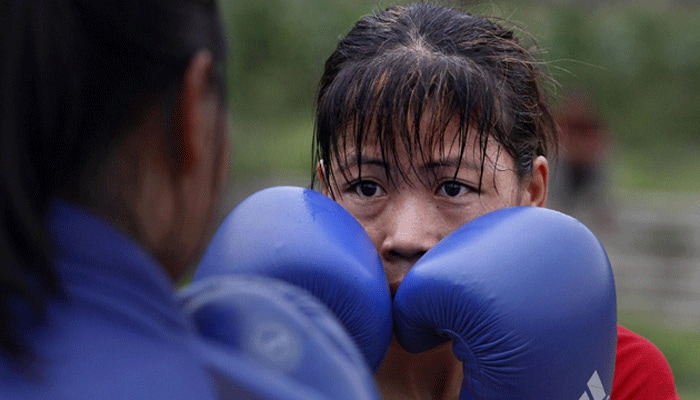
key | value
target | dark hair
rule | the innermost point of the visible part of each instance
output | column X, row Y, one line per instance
column 75, row 76
column 406, row 62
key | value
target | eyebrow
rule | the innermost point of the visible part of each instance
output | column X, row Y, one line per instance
column 354, row 161
column 453, row 162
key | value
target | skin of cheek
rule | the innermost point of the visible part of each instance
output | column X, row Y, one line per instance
column 214, row 181
column 423, row 216
column 440, row 218
column 430, row 218
column 202, row 194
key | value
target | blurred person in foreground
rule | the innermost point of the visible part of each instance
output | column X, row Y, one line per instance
column 114, row 142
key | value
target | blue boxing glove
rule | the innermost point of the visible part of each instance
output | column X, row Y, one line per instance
column 286, row 344
column 527, row 296
column 303, row 237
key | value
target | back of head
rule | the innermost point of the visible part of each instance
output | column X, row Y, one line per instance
column 75, row 77
column 405, row 63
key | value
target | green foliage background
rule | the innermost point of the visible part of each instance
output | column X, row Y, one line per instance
column 640, row 60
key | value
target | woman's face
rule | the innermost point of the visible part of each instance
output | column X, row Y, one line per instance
column 406, row 218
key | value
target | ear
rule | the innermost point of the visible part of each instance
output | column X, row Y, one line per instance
column 196, row 109
column 321, row 175
column 536, row 189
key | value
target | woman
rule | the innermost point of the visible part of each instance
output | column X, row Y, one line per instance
column 114, row 157
column 427, row 118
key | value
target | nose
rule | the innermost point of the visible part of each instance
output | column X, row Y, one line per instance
column 411, row 229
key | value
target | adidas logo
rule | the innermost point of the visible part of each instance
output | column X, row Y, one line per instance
column 595, row 391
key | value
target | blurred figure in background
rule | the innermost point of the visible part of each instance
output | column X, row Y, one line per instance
column 581, row 177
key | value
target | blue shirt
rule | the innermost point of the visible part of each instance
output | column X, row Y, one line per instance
column 118, row 332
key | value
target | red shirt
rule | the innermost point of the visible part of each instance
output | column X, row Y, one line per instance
column 641, row 370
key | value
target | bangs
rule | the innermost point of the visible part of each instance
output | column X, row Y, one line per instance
column 401, row 103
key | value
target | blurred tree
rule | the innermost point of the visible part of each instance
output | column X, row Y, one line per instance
column 641, row 61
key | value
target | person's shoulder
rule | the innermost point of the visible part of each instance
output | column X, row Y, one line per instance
column 81, row 352
column 641, row 369
column 638, row 350
column 112, row 368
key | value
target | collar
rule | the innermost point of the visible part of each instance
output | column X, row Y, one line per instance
column 100, row 266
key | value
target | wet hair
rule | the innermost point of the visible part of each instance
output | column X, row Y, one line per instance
column 400, row 66
column 75, row 77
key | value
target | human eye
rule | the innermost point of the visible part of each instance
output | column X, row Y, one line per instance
column 365, row 188
column 454, row 188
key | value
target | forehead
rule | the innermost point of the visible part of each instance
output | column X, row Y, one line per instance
column 427, row 140
column 457, row 151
